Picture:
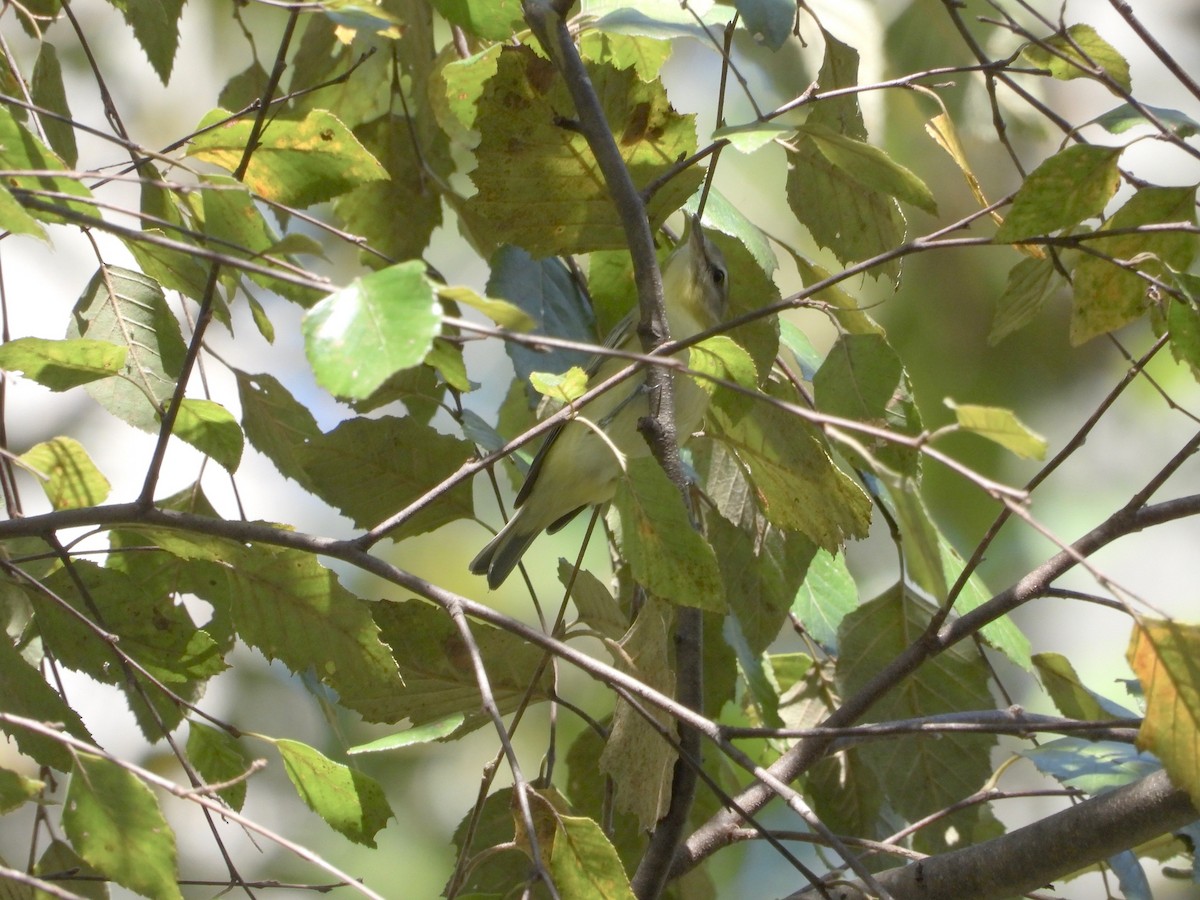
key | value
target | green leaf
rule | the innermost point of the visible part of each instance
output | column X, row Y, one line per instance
column 455, row 88
column 235, row 224
column 564, row 388
column 1183, row 326
column 921, row 538
column 597, row 607
column 296, row 163
column 1001, row 426
column 1092, row 766
column 523, row 150
column 61, row 365
column 1001, row 634
column 827, row 594
column 635, row 756
column 67, row 474
column 219, row 757
column 1076, row 54
column 1029, row 284
column 363, row 15
column 398, row 216
column 871, row 167
column 853, row 223
column 125, row 308
column 505, row 314
column 113, row 822
column 59, row 858
column 276, row 424
column 583, row 863
column 20, row 150
column 664, row 552
column 921, row 774
column 754, row 135
column 726, row 217
column 769, row 22
column 1062, row 683
column 24, row 692
column 166, row 214
column 1073, row 185
column 1108, row 297
column 644, row 55
column 492, row 20
column 153, row 630
column 382, row 323
column 47, row 92
column 351, row 802
column 285, row 603
column 663, row 20
column 155, row 24
column 796, row 482
column 211, row 429
column 423, row 734
column 439, row 679
column 16, row 789
column 371, row 468
column 1122, row 118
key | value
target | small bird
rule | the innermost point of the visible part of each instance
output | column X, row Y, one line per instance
column 575, row 466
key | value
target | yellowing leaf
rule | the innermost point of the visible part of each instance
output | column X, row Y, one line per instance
column 69, row 477
column 1165, row 656
column 296, row 163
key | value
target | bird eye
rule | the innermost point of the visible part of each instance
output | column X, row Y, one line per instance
column 718, row 275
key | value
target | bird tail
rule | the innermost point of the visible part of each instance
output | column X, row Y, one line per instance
column 504, row 551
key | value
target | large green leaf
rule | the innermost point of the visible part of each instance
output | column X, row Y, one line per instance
column 24, row 692
column 381, row 324
column 666, row 555
column 796, row 482
column 351, row 802
column 125, row 308
column 285, row 603
column 153, row 630
column 48, row 93
column 527, row 160
column 61, row 365
column 396, row 217
column 1073, row 185
column 277, row 425
column 114, row 822
column 370, row 469
column 1076, row 54
column 296, row 163
column 920, row 774
column 439, row 678
column 1107, row 296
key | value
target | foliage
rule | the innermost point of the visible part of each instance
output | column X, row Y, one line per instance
column 733, row 659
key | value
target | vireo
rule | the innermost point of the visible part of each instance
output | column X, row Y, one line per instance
column 575, row 466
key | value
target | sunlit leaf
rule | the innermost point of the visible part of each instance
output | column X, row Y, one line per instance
column 67, row 474
column 1108, row 297
column 114, row 822
column 219, row 757
column 351, row 802
column 61, row 365
column 296, row 163
column 1000, row 425
column 1076, row 54
column 1073, row 185
column 382, row 323
column 1126, row 116
column 211, row 429
column 1165, row 656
